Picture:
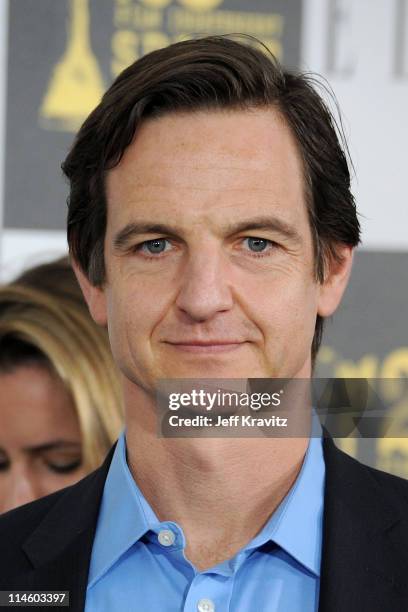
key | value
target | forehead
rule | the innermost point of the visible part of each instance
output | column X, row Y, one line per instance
column 211, row 163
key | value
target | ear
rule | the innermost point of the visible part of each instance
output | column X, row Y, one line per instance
column 94, row 296
column 336, row 279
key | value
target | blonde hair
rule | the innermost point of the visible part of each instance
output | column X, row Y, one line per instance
column 61, row 329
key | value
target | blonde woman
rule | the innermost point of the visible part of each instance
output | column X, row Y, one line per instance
column 60, row 403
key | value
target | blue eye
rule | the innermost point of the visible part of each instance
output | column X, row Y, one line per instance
column 257, row 244
column 155, row 246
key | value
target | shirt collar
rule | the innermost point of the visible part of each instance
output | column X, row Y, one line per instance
column 124, row 505
column 297, row 524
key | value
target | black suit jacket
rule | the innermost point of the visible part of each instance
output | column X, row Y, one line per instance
column 46, row 545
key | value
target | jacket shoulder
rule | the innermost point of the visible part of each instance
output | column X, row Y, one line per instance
column 395, row 488
column 16, row 526
column 19, row 522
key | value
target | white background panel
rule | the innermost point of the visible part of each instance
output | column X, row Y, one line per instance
column 22, row 249
column 355, row 45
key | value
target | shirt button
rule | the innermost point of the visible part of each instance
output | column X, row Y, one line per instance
column 166, row 537
column 205, row 605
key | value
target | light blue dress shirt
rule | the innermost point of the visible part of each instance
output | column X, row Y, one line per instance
column 138, row 562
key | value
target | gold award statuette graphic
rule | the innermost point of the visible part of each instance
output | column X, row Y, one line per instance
column 76, row 84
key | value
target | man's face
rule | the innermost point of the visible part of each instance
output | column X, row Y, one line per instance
column 208, row 242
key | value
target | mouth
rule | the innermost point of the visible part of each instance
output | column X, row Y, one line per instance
column 215, row 346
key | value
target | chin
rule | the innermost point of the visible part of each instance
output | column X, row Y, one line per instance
column 213, row 371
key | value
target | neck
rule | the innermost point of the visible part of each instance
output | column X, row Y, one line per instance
column 219, row 490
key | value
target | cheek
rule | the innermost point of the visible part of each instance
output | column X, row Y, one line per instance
column 284, row 309
column 135, row 309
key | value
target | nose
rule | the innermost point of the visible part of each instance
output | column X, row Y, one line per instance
column 205, row 289
column 20, row 490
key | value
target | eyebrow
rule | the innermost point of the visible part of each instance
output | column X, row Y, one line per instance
column 53, row 445
column 131, row 230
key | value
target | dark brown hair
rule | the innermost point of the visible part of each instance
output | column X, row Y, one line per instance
column 215, row 72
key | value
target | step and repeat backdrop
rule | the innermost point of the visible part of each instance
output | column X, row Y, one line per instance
column 59, row 57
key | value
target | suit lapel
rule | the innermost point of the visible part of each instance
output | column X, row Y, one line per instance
column 361, row 570
column 60, row 548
